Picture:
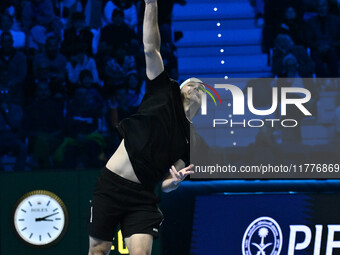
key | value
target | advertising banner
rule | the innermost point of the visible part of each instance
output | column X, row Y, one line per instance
column 267, row 224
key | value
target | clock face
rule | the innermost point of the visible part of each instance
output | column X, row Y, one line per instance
column 40, row 218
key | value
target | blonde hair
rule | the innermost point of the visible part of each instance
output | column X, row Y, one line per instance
column 187, row 81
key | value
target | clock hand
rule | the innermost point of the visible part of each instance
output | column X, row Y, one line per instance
column 44, row 218
column 49, row 215
column 41, row 219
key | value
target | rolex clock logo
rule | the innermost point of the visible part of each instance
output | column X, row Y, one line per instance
column 262, row 237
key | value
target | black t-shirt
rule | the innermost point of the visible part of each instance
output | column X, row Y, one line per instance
column 158, row 134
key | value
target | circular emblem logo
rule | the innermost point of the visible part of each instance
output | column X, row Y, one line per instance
column 262, row 237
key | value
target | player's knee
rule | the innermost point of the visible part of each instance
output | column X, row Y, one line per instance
column 100, row 249
column 140, row 251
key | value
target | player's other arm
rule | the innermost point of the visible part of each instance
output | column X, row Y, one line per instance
column 152, row 40
column 174, row 178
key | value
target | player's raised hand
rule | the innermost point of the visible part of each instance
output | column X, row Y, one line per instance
column 178, row 176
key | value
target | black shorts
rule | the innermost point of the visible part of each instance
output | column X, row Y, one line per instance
column 117, row 200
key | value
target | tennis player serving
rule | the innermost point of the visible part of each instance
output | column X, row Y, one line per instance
column 155, row 148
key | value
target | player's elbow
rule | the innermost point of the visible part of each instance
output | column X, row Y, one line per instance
column 150, row 51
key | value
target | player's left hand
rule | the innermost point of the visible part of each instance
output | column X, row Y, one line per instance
column 180, row 175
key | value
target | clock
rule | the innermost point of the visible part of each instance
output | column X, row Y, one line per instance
column 40, row 218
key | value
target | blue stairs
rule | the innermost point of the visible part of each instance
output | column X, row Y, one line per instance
column 219, row 39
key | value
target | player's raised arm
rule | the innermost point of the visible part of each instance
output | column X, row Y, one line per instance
column 152, row 40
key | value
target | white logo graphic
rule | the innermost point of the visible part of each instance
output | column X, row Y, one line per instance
column 239, row 100
column 262, row 237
